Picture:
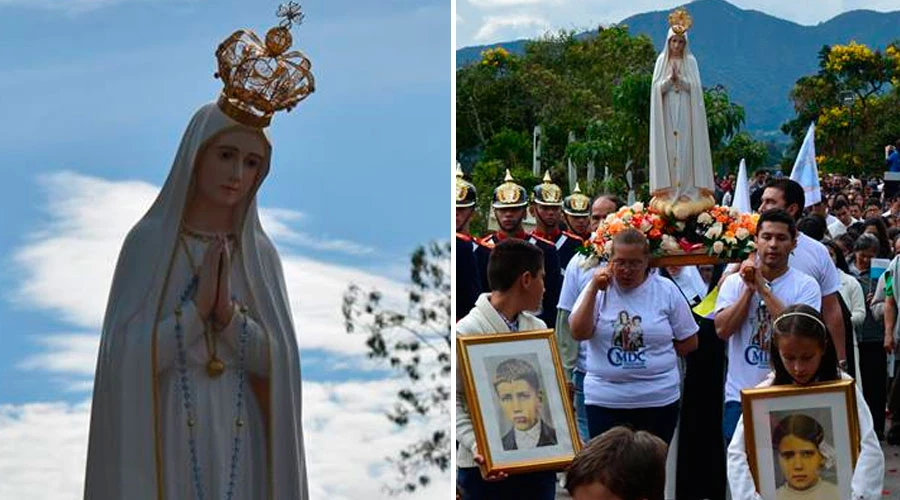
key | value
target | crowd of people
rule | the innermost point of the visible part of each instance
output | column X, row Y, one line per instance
column 810, row 305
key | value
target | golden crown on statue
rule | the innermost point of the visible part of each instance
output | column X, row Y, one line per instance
column 263, row 78
column 680, row 21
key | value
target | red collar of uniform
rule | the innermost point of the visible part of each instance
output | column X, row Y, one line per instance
column 574, row 235
column 552, row 235
column 501, row 235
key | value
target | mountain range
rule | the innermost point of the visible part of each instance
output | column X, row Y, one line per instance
column 756, row 56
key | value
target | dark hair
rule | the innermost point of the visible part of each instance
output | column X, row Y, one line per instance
column 813, row 225
column 892, row 234
column 873, row 201
column 839, row 203
column 514, row 369
column 839, row 260
column 866, row 241
column 884, row 243
column 510, row 259
column 777, row 215
column 792, row 192
column 854, row 230
column 847, row 240
column 631, row 465
column 800, row 425
column 803, row 321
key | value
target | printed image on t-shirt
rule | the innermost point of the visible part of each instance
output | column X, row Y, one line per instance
column 757, row 351
column 628, row 342
column 627, row 332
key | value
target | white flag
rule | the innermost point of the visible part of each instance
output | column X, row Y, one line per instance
column 741, row 199
column 805, row 171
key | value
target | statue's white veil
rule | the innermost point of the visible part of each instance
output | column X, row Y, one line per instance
column 124, row 448
column 660, row 173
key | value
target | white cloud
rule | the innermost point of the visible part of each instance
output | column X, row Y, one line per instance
column 43, row 446
column 512, row 26
column 277, row 222
column 482, row 16
column 68, row 263
column 799, row 12
column 71, row 354
column 66, row 268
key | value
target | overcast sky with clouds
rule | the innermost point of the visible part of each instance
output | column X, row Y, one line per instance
column 95, row 96
column 480, row 22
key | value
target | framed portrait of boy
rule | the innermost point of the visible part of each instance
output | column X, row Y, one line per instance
column 517, row 396
column 802, row 442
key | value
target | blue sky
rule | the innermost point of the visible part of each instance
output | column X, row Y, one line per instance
column 95, row 95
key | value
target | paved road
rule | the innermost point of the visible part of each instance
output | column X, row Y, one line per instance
column 891, row 471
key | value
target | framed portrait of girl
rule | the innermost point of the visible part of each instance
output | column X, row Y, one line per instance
column 802, row 442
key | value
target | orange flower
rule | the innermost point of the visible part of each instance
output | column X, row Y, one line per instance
column 615, row 226
column 655, row 234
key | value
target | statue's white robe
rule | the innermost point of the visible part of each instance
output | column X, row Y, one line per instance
column 137, row 447
column 680, row 156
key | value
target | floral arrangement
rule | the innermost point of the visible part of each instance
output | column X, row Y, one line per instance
column 720, row 232
column 727, row 233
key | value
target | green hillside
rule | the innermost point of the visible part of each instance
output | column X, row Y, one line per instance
column 758, row 57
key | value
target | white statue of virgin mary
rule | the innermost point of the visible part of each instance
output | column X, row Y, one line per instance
column 681, row 172
column 197, row 388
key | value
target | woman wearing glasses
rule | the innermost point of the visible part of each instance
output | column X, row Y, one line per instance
column 633, row 381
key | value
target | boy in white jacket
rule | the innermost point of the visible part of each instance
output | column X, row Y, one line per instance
column 516, row 276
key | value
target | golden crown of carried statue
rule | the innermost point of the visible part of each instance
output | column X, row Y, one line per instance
column 261, row 78
column 680, row 21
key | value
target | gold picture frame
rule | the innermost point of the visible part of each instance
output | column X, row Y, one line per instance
column 831, row 405
column 477, row 357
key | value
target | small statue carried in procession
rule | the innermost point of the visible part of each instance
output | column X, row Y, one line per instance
column 682, row 222
column 681, row 170
column 197, row 391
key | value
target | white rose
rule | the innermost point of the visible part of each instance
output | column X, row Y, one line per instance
column 742, row 233
column 607, row 248
column 669, row 244
column 730, row 240
column 646, row 226
column 735, row 213
column 718, row 247
column 627, row 217
column 704, row 218
column 679, row 226
column 714, row 232
column 638, row 207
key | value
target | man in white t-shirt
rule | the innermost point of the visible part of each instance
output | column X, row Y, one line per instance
column 572, row 352
column 750, row 300
column 843, row 219
column 811, row 258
